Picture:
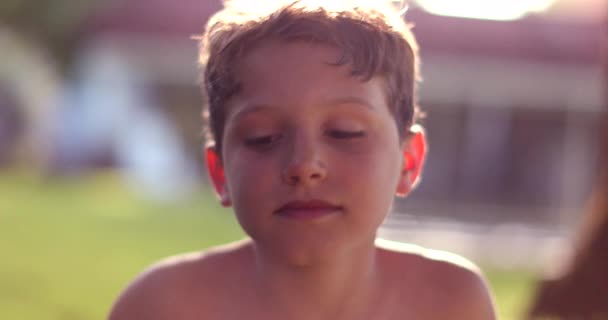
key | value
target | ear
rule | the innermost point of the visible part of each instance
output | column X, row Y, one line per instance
column 414, row 153
column 216, row 173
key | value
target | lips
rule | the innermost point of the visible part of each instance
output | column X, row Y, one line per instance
column 307, row 209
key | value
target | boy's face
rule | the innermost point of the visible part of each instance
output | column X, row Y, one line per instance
column 311, row 156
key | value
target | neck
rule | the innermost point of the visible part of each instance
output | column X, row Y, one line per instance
column 329, row 289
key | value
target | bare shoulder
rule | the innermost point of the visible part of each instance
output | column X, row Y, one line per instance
column 166, row 289
column 452, row 285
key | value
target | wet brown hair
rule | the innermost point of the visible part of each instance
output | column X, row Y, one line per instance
column 373, row 39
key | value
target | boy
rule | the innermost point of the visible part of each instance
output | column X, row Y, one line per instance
column 311, row 111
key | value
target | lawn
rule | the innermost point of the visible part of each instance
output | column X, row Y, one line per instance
column 69, row 245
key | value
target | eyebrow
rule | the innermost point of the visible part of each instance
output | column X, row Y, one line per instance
column 252, row 109
column 350, row 100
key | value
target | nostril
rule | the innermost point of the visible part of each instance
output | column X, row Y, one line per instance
column 304, row 172
column 315, row 175
column 297, row 178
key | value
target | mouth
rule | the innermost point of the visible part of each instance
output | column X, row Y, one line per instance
column 309, row 209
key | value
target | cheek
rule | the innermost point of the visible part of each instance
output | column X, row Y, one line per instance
column 248, row 175
column 248, row 181
column 371, row 187
column 372, row 178
column 377, row 166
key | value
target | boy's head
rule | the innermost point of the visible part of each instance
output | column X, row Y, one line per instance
column 373, row 41
column 310, row 108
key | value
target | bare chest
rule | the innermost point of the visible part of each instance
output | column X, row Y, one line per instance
column 240, row 306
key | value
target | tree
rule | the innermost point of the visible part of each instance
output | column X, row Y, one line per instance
column 55, row 25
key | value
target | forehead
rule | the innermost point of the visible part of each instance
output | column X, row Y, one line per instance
column 302, row 73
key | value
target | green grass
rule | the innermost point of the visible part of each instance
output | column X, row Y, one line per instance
column 69, row 246
column 513, row 290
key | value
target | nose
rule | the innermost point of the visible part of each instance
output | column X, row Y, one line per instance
column 304, row 163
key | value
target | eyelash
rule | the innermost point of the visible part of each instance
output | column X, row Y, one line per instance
column 269, row 140
column 340, row 134
column 262, row 141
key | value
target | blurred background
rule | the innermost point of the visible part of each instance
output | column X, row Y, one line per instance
column 101, row 173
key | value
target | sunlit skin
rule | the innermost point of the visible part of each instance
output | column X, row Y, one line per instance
column 311, row 161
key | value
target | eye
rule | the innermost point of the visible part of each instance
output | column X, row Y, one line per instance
column 343, row 134
column 262, row 141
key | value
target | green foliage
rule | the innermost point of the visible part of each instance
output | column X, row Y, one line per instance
column 47, row 17
column 69, row 246
column 55, row 26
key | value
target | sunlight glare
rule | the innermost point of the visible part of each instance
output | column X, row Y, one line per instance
column 485, row 9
